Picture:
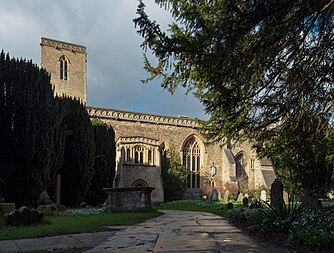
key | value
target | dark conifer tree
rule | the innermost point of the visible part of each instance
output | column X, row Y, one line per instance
column 26, row 106
column 78, row 166
column 104, row 162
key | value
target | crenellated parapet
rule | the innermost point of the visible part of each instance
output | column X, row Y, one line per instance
column 62, row 45
column 141, row 117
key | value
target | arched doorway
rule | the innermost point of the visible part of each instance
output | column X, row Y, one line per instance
column 139, row 183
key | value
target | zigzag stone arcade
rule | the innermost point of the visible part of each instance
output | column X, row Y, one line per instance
column 142, row 138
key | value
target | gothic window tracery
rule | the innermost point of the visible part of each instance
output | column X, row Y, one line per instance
column 192, row 162
column 63, row 70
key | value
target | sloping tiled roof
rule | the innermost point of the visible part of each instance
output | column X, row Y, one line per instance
column 269, row 177
column 230, row 156
column 266, row 162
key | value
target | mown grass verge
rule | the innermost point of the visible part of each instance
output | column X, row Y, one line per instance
column 69, row 223
column 198, row 205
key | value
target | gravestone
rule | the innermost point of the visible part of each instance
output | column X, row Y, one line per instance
column 276, row 194
column 213, row 195
column 220, row 196
column 44, row 198
column 240, row 197
column 226, row 195
column 263, row 195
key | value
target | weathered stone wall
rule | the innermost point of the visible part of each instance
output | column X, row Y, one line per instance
column 174, row 131
column 150, row 174
column 75, row 85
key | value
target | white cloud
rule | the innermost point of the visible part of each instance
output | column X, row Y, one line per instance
column 115, row 59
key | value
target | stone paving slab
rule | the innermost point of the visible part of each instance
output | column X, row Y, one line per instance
column 186, row 245
column 54, row 242
column 174, row 232
column 127, row 242
column 183, row 231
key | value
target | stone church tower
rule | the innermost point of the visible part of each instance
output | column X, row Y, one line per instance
column 66, row 63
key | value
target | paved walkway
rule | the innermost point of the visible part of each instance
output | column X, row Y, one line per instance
column 175, row 231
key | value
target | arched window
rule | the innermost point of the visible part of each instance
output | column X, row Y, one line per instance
column 149, row 156
column 128, row 157
column 63, row 68
column 192, row 162
column 139, row 154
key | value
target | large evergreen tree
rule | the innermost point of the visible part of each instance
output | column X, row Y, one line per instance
column 257, row 66
column 104, row 162
column 78, row 166
column 25, row 128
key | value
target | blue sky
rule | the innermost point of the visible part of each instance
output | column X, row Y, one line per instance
column 115, row 59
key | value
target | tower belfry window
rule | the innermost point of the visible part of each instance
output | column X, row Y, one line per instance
column 63, row 68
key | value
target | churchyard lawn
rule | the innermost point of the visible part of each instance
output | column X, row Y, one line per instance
column 75, row 221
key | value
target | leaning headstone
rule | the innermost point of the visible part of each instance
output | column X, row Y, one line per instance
column 240, row 197
column 214, row 196
column 226, row 195
column 276, row 194
column 263, row 195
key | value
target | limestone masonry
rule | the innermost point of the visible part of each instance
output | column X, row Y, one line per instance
column 142, row 138
column 66, row 63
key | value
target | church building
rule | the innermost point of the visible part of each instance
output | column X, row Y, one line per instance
column 142, row 139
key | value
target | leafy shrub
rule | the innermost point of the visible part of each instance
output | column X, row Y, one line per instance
column 174, row 175
column 314, row 230
column 279, row 220
column 85, row 212
column 229, row 205
column 256, row 203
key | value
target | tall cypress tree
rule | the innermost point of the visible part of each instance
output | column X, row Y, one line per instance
column 26, row 101
column 6, row 120
column 104, row 162
column 77, row 170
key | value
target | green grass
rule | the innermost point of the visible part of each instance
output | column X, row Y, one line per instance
column 197, row 205
column 63, row 224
